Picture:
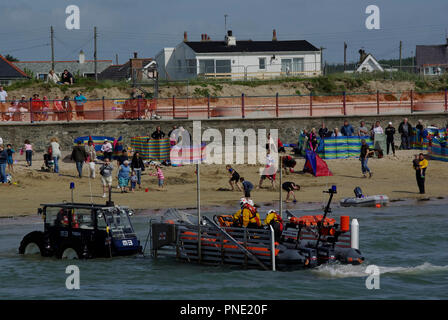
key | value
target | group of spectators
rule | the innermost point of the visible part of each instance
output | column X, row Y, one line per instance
column 405, row 129
column 40, row 109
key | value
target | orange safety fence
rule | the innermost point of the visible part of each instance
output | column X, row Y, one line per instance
column 224, row 107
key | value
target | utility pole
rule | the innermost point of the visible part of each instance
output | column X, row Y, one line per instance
column 401, row 48
column 94, row 52
column 52, row 47
column 345, row 56
column 116, row 58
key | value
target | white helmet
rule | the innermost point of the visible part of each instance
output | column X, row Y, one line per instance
column 243, row 201
column 251, row 202
column 272, row 211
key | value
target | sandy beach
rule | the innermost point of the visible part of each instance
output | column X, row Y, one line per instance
column 393, row 176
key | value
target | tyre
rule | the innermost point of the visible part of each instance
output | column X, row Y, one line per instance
column 69, row 251
column 32, row 244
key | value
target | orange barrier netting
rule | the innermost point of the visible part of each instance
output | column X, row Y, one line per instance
column 220, row 107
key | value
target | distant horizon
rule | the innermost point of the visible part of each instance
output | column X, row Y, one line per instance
column 146, row 27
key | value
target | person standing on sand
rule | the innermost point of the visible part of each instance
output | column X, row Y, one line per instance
column 420, row 172
column 3, row 161
column 390, row 132
column 138, row 167
column 363, row 131
column 364, row 157
column 91, row 157
column 56, row 153
column 405, row 129
column 124, row 174
column 79, row 155
column 10, row 160
column 28, row 148
column 107, row 150
column 106, row 175
column 247, row 186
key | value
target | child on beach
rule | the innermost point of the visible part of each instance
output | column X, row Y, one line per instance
column 134, row 180
column 10, row 158
column 159, row 175
column 28, row 148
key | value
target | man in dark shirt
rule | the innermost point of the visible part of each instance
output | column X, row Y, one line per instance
column 364, row 157
column 290, row 187
column 347, row 129
column 390, row 132
column 122, row 158
column 158, row 134
column 405, row 129
column 67, row 77
column 323, row 131
column 79, row 155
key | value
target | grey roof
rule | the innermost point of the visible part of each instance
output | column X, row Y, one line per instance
column 8, row 71
column 119, row 72
column 435, row 55
column 251, row 46
column 73, row 67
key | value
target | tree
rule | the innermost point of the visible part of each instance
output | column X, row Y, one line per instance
column 10, row 58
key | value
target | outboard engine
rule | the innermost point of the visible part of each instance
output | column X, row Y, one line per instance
column 349, row 255
column 358, row 192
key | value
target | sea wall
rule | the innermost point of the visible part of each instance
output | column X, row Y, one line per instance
column 288, row 128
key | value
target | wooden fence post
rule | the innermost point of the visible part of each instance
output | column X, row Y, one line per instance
column 276, row 104
column 377, row 102
column 311, row 104
column 174, row 107
column 104, row 110
column 412, row 101
column 446, row 100
column 31, row 111
column 344, row 103
column 208, row 107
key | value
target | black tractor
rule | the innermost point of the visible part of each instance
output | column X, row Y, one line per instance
column 82, row 231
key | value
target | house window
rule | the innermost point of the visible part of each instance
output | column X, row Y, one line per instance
column 179, row 64
column 206, row 66
column 297, row 65
column 191, row 65
column 261, row 63
column 286, row 66
column 223, row 66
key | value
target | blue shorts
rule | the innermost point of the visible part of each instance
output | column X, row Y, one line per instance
column 160, row 182
column 9, row 160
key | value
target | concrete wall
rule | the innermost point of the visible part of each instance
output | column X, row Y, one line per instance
column 289, row 128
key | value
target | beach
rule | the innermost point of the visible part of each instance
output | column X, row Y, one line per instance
column 392, row 176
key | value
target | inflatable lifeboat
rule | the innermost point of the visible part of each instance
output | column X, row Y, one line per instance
column 361, row 200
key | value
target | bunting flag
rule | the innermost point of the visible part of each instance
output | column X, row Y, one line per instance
column 98, row 142
column 151, row 149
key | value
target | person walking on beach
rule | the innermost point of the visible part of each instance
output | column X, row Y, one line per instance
column 56, row 153
column 10, row 160
column 138, row 167
column 364, row 157
column 247, row 187
column 124, row 173
column 290, row 187
column 28, row 148
column 3, row 161
column 79, row 155
column 390, row 132
column 91, row 157
column 420, row 172
column 159, row 174
column 106, row 175
column 405, row 129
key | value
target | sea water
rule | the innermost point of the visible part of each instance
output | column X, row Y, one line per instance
column 407, row 241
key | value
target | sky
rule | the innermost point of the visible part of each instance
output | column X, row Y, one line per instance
column 147, row 26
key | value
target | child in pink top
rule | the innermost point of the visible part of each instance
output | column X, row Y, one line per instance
column 159, row 175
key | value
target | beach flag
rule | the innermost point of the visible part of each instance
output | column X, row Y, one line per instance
column 315, row 165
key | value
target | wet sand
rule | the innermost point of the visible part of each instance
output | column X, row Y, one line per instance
column 392, row 176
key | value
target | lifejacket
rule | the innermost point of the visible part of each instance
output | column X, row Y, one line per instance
column 253, row 218
column 274, row 218
column 225, row 220
column 75, row 223
column 64, row 221
column 312, row 220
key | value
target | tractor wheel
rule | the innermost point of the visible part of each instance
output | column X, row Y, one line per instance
column 69, row 251
column 32, row 244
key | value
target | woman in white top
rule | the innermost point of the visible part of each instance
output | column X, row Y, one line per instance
column 53, row 77
column 336, row 133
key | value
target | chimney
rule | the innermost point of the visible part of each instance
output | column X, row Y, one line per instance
column 135, row 55
column 82, row 57
column 362, row 55
column 274, row 35
column 185, row 36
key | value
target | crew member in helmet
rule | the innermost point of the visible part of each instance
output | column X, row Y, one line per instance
column 247, row 216
column 276, row 221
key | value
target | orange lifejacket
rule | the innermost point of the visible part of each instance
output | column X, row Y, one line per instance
column 312, row 220
column 254, row 216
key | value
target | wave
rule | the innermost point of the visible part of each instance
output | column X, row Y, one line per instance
column 347, row 271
